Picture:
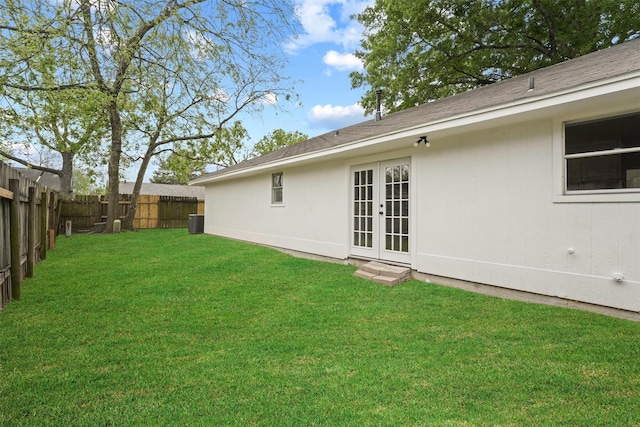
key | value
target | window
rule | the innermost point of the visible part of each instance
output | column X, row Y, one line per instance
column 603, row 154
column 276, row 188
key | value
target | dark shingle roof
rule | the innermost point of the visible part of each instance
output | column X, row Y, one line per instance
column 607, row 63
column 49, row 180
column 164, row 190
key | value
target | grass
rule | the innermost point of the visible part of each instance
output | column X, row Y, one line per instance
column 167, row 328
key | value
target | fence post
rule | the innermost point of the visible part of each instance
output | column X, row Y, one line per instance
column 52, row 220
column 31, row 233
column 16, row 269
column 43, row 225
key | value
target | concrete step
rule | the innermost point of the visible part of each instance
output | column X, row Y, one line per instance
column 384, row 274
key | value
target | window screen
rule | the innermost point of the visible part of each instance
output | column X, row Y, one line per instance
column 276, row 188
column 603, row 154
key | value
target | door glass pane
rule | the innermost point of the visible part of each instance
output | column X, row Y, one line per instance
column 405, row 173
column 397, row 208
column 405, row 244
column 363, row 208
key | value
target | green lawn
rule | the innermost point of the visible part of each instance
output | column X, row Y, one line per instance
column 168, row 328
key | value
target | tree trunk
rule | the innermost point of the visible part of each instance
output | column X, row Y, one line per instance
column 113, row 194
column 66, row 175
column 133, row 207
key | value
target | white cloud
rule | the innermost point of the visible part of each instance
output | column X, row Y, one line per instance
column 342, row 61
column 335, row 117
column 269, row 98
column 328, row 21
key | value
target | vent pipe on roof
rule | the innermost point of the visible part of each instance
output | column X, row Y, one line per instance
column 378, row 102
column 532, row 83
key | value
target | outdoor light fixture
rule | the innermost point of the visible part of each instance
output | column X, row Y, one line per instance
column 422, row 139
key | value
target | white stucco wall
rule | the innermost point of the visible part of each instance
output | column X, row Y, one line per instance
column 488, row 214
column 311, row 219
column 487, row 207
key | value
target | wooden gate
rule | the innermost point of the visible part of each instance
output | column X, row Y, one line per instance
column 173, row 212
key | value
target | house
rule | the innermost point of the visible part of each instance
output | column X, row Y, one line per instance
column 48, row 179
column 531, row 184
column 170, row 190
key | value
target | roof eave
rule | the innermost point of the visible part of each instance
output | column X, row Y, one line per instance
column 459, row 121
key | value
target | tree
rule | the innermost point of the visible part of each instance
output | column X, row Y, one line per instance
column 165, row 72
column 178, row 169
column 276, row 140
column 229, row 148
column 420, row 50
column 52, row 122
column 183, row 164
column 87, row 181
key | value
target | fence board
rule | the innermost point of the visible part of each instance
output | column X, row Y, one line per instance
column 173, row 212
column 152, row 211
column 5, row 252
column 81, row 211
column 146, row 212
column 20, row 250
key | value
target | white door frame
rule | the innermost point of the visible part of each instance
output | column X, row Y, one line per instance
column 380, row 210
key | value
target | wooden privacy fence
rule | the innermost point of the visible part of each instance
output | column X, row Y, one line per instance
column 152, row 211
column 27, row 211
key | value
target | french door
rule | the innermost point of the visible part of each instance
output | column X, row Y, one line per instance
column 380, row 212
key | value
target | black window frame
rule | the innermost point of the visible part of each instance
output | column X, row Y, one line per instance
column 603, row 155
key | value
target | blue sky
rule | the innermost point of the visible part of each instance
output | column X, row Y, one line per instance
column 320, row 61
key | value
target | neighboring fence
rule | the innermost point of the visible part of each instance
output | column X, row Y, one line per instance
column 151, row 212
column 27, row 211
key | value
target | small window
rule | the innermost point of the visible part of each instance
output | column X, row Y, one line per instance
column 276, row 188
column 603, row 154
